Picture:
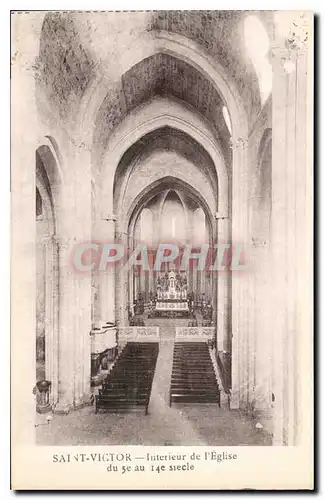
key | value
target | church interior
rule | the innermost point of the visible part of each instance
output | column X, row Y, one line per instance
column 157, row 127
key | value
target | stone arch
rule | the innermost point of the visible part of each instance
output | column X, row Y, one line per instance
column 165, row 141
column 49, row 153
column 155, row 115
column 123, row 291
column 151, row 190
column 133, row 128
column 182, row 48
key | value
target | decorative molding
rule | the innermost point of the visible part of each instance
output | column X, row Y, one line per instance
column 292, row 33
column 199, row 334
column 139, row 334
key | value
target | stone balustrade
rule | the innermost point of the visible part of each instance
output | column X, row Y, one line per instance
column 194, row 334
column 138, row 334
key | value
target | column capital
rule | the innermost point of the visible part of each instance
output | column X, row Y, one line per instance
column 293, row 28
column 292, row 37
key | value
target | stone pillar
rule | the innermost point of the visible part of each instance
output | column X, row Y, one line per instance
column 67, row 312
column 131, row 281
column 291, row 233
column 73, row 228
column 25, row 30
column 122, row 283
column 261, row 328
column 223, row 340
column 240, row 319
column 106, row 226
column 150, row 279
column 189, row 241
column 81, row 158
column 51, row 316
column 155, row 239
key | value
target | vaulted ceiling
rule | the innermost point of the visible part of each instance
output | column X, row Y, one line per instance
column 75, row 46
column 167, row 139
column 164, row 76
column 220, row 33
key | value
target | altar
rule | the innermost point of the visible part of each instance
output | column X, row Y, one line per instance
column 171, row 297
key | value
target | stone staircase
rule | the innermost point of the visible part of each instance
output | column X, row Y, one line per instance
column 193, row 378
column 127, row 387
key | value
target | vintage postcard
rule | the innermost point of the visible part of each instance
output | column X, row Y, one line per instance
column 162, row 274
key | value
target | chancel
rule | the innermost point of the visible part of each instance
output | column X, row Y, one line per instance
column 171, row 294
column 156, row 127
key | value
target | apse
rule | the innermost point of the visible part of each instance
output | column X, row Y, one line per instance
column 146, row 226
column 199, row 227
column 173, row 220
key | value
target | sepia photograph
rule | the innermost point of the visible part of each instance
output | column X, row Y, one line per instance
column 162, row 197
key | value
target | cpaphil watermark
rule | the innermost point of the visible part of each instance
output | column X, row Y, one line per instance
column 95, row 256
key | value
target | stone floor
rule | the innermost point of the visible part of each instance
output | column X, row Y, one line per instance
column 194, row 425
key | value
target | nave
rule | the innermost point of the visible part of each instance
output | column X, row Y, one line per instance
column 172, row 144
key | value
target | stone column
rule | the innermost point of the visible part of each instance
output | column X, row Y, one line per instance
column 130, row 273
column 189, row 241
column 106, row 226
column 155, row 239
column 122, row 283
column 103, row 333
column 291, row 233
column 51, row 316
column 261, row 328
column 80, row 157
column 240, row 319
column 73, row 228
column 67, row 314
column 151, row 279
column 223, row 340
column 24, row 142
